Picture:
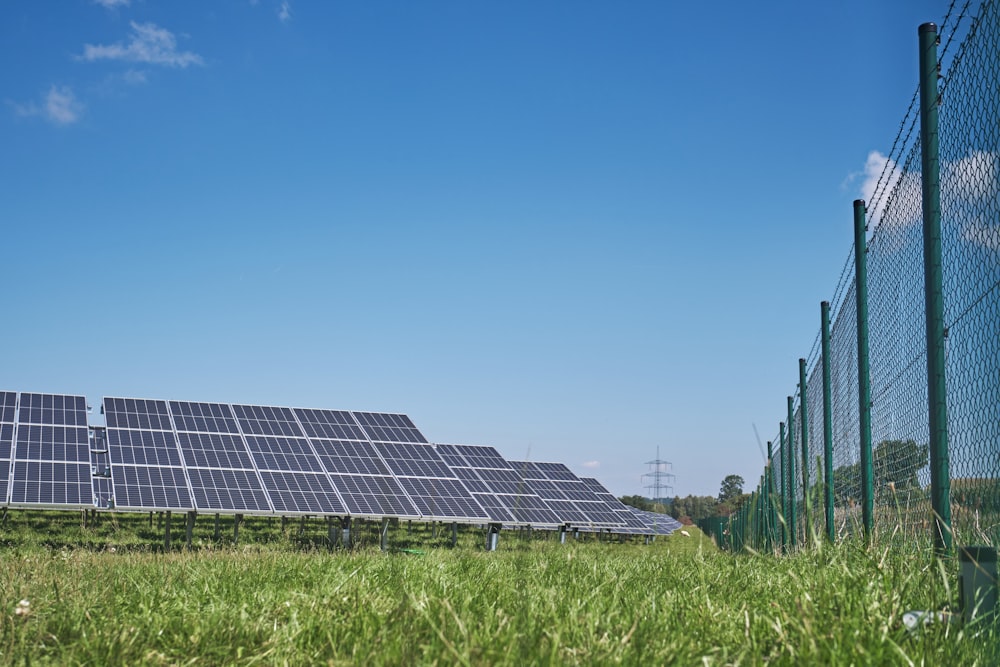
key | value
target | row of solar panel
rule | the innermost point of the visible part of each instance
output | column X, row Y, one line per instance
column 157, row 455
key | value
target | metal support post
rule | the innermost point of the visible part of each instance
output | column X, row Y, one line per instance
column 218, row 528
column 237, row 520
column 166, row 535
column 492, row 536
column 189, row 532
column 562, row 534
column 454, row 535
column 384, row 535
column 784, row 486
column 345, row 532
column 793, row 523
column 864, row 372
column 804, row 418
column 930, row 168
column 824, row 309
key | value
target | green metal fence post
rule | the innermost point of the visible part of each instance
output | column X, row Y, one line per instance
column 831, row 533
column 793, row 496
column 784, row 486
column 864, row 373
column 933, row 286
column 772, row 518
column 804, row 416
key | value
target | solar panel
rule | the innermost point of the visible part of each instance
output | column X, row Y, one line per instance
column 146, row 469
column 659, row 524
column 51, row 462
column 219, row 465
column 386, row 427
column 566, row 495
column 8, row 406
column 359, row 474
column 497, row 486
column 632, row 524
column 289, row 466
column 431, row 485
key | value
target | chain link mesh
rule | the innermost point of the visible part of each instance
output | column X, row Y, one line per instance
column 969, row 136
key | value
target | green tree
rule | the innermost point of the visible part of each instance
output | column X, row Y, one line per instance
column 731, row 489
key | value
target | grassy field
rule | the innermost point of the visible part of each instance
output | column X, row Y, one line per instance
column 108, row 594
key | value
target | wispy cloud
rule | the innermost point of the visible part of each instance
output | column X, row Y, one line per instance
column 59, row 107
column 134, row 77
column 593, row 465
column 285, row 11
column 111, row 4
column 148, row 43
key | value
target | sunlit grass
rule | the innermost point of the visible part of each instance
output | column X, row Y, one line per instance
column 276, row 598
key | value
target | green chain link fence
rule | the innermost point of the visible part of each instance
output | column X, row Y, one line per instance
column 800, row 499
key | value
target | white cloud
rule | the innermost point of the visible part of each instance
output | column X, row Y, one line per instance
column 148, row 44
column 111, row 4
column 593, row 465
column 134, row 76
column 59, row 107
column 882, row 173
column 285, row 11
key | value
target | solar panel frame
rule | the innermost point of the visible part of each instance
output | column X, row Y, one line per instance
column 497, row 486
column 50, row 460
column 8, row 412
column 566, row 495
column 289, row 466
column 632, row 524
column 220, row 468
column 148, row 473
column 361, row 476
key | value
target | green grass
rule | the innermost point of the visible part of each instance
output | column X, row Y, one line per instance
column 108, row 594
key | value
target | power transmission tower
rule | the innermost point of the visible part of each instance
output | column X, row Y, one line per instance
column 660, row 478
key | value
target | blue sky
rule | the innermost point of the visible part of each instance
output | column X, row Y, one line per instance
column 575, row 231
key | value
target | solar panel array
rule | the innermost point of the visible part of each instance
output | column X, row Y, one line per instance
column 566, row 495
column 157, row 455
column 497, row 486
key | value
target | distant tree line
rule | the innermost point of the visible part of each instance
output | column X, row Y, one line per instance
column 692, row 508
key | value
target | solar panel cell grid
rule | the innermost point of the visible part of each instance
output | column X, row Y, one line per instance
column 331, row 424
column 137, row 413
column 234, row 490
column 214, row 450
column 267, row 420
column 135, row 447
column 281, row 453
column 8, row 404
column 52, row 409
column 52, row 483
column 203, row 417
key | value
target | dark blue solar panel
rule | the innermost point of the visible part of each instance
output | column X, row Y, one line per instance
column 348, row 457
column 137, row 413
column 267, row 420
column 219, row 465
column 496, row 486
column 566, row 495
column 55, row 483
column 385, row 427
column 8, row 405
column 302, row 493
column 228, row 490
column 56, row 409
column 329, row 424
column 622, row 511
column 375, row 496
column 214, row 450
column 51, row 452
column 203, row 417
column 146, row 468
